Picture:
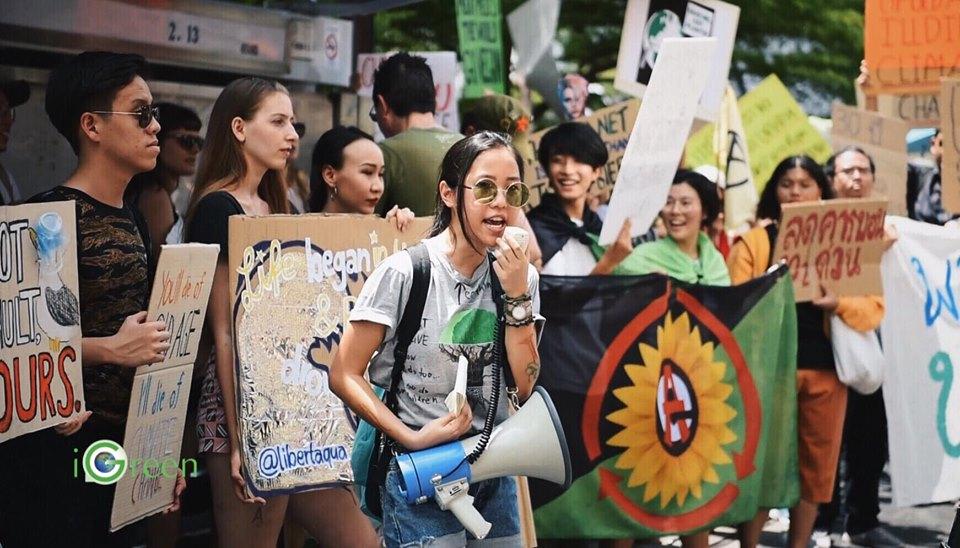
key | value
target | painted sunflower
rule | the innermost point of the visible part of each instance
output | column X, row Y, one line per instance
column 675, row 420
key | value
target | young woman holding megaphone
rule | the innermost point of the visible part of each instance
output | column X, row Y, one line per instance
column 480, row 192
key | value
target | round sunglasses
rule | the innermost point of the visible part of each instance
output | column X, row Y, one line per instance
column 485, row 191
column 144, row 114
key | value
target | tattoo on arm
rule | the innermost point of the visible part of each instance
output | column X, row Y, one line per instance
column 533, row 371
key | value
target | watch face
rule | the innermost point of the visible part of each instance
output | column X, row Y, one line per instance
column 519, row 313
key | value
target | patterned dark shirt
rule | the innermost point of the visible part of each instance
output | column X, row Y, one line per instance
column 114, row 275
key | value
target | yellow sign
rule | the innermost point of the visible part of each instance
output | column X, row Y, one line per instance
column 776, row 127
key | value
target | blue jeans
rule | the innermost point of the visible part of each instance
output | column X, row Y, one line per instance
column 421, row 525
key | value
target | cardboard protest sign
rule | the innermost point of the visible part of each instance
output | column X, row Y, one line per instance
column 40, row 374
column 296, row 278
column 835, row 243
column 921, row 347
column 910, row 45
column 885, row 140
column 481, row 46
column 158, row 403
column 656, row 141
column 647, row 23
column 776, row 127
column 917, row 110
column 950, row 173
column 443, row 65
column 613, row 124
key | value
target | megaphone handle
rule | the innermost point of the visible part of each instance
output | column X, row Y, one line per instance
column 453, row 497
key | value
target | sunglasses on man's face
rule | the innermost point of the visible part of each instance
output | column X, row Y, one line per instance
column 486, row 191
column 144, row 114
column 373, row 114
column 189, row 142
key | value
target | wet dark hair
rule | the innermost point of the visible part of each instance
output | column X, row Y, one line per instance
column 329, row 152
column 706, row 190
column 176, row 117
column 457, row 162
column 89, row 81
column 830, row 166
column 573, row 139
column 406, row 83
column 769, row 206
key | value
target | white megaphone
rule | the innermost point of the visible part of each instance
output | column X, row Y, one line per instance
column 530, row 443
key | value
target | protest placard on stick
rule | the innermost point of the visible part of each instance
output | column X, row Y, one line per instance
column 885, row 140
column 295, row 279
column 950, row 101
column 613, row 124
column 647, row 23
column 657, row 139
column 158, row 403
column 910, row 45
column 40, row 375
column 776, row 127
column 836, row 244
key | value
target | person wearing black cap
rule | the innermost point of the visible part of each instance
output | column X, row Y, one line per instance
column 13, row 93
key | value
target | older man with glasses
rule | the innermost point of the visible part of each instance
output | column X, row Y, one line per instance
column 13, row 93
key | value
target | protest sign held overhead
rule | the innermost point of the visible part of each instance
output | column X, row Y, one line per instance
column 835, row 244
column 41, row 384
column 656, row 141
column 910, row 45
column 532, row 27
column 950, row 101
column 776, row 127
column 296, row 278
column 885, row 140
column 921, row 347
column 678, row 403
column 159, row 401
column 733, row 162
column 481, row 46
column 613, row 124
column 647, row 23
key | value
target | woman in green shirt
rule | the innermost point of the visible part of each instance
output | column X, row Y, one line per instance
column 686, row 253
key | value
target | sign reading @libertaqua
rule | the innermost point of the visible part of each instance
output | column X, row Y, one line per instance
column 295, row 279
column 40, row 375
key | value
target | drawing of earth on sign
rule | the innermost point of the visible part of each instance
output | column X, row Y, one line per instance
column 662, row 24
column 288, row 320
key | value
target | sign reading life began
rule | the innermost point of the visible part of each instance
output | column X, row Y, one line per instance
column 295, row 279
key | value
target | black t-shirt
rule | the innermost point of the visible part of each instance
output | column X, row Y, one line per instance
column 115, row 274
column 210, row 218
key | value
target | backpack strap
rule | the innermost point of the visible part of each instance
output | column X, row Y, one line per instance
column 411, row 319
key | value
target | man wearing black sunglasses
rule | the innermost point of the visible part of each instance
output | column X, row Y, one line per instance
column 101, row 104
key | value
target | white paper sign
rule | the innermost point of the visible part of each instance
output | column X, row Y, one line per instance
column 328, row 44
column 659, row 134
column 921, row 344
column 443, row 64
column 648, row 23
column 532, row 27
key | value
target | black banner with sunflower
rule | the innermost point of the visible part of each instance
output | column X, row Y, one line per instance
column 678, row 403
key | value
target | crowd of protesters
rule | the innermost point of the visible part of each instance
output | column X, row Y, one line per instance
column 135, row 157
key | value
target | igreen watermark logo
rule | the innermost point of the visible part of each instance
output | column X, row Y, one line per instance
column 104, row 462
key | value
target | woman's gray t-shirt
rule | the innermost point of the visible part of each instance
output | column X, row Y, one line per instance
column 459, row 318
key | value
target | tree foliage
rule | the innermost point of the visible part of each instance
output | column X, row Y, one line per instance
column 814, row 46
